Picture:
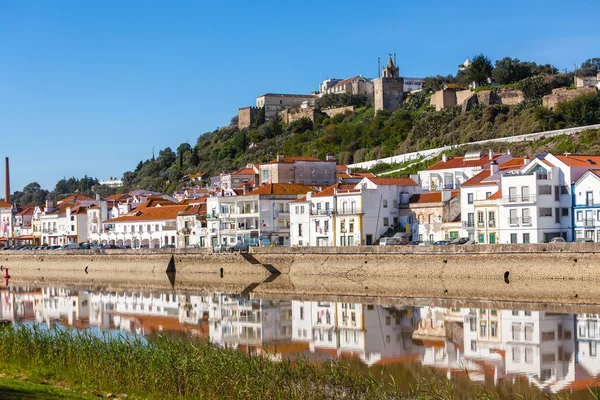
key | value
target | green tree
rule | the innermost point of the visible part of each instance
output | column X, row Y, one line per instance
column 480, row 70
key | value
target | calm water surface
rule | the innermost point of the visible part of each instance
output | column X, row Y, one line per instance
column 552, row 351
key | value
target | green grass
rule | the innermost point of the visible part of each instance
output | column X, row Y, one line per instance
column 13, row 389
column 167, row 368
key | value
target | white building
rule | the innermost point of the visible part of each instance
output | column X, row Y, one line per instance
column 481, row 187
column 450, row 173
column 260, row 216
column 112, row 183
column 6, row 222
column 413, row 84
column 66, row 222
column 192, row 227
column 536, row 200
column 586, row 209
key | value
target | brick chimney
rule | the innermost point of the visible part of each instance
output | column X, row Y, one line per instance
column 444, row 157
column 7, row 182
column 490, row 154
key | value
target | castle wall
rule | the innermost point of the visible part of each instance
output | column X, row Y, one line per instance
column 388, row 93
column 246, row 116
column 443, row 98
column 562, row 94
column 293, row 114
column 332, row 112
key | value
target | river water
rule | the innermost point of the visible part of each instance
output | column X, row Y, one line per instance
column 554, row 351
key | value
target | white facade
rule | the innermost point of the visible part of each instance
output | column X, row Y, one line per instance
column 586, row 207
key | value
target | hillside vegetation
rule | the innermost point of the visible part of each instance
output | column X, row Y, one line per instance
column 362, row 134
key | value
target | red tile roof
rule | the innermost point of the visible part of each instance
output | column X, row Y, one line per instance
column 74, row 199
column 460, row 162
column 516, row 162
column 4, row 204
column 117, row 197
column 349, row 80
column 300, row 200
column 329, row 191
column 244, row 171
column 197, row 209
column 479, row 179
column 150, row 214
column 431, row 197
column 579, row 160
column 495, row 196
column 393, row 181
column 341, row 168
column 26, row 210
column 548, row 163
column 280, row 188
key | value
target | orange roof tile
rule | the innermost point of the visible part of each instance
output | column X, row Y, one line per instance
column 74, row 198
column 394, row 181
column 342, row 175
column 431, row 197
column 495, row 196
column 117, row 197
column 300, row 200
column 363, row 175
column 579, row 160
column 280, row 188
column 26, row 210
column 459, row 162
column 293, row 159
column 4, row 204
column 244, row 171
column 479, row 179
column 330, row 191
column 341, row 168
column 548, row 163
column 349, row 80
column 151, row 214
column 516, row 162
column 197, row 209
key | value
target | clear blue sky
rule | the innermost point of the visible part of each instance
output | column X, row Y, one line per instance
column 90, row 87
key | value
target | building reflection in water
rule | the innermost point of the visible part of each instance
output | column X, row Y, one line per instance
column 554, row 352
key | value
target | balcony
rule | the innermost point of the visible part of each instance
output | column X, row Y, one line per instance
column 491, row 223
column 480, row 224
column 321, row 212
column 349, row 211
column 468, row 224
column 588, row 222
column 212, row 216
column 530, row 198
column 516, row 221
column 185, row 231
column 589, row 202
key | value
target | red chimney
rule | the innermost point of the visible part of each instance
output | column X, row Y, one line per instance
column 7, row 183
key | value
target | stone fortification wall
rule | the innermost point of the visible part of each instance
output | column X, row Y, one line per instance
column 562, row 95
column 246, row 116
column 293, row 114
column 332, row 112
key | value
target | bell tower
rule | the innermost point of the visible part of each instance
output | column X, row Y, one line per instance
column 388, row 89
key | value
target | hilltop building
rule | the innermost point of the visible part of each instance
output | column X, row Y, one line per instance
column 388, row 90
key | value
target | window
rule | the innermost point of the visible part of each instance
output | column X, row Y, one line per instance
column 541, row 173
column 350, row 226
column 525, row 193
column 528, row 332
column 386, row 222
column 512, row 194
column 472, row 324
column 494, row 329
column 395, row 204
column 545, row 212
column 388, row 321
column 513, row 238
column 550, row 357
column 301, row 314
column 471, row 219
column 265, row 175
column 557, row 215
column 343, row 226
column 516, row 354
column 326, row 226
column 483, row 329
column 579, row 216
column 547, row 336
column 528, row 313
column 515, row 313
column 564, row 212
column 326, row 171
column 564, row 189
column 526, row 238
column 516, row 332
column 593, row 349
column 470, row 198
column 302, row 209
column 488, row 194
column 473, row 345
column 544, row 189
column 513, row 219
column 384, row 203
column 480, row 219
column 528, row 355
column 300, row 230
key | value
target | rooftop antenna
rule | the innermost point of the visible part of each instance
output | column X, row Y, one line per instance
column 395, row 65
column 379, row 67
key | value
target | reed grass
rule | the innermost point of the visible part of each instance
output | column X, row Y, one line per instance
column 167, row 368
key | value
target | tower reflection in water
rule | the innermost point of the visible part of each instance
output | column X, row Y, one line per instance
column 553, row 351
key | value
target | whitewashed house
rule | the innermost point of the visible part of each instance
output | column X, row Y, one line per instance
column 300, row 232
column 450, row 173
column 191, row 227
column 586, row 207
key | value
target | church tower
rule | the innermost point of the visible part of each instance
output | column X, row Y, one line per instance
column 388, row 90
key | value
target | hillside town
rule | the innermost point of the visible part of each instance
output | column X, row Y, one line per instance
column 481, row 197
column 552, row 351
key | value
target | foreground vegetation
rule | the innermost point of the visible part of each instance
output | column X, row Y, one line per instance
column 163, row 368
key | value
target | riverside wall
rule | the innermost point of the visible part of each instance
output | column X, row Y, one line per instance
column 571, row 261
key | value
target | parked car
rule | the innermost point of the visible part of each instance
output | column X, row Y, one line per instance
column 441, row 243
column 84, row 246
column 166, row 246
column 584, row 240
column 415, row 243
column 239, row 247
column 392, row 241
column 461, row 240
column 557, row 239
